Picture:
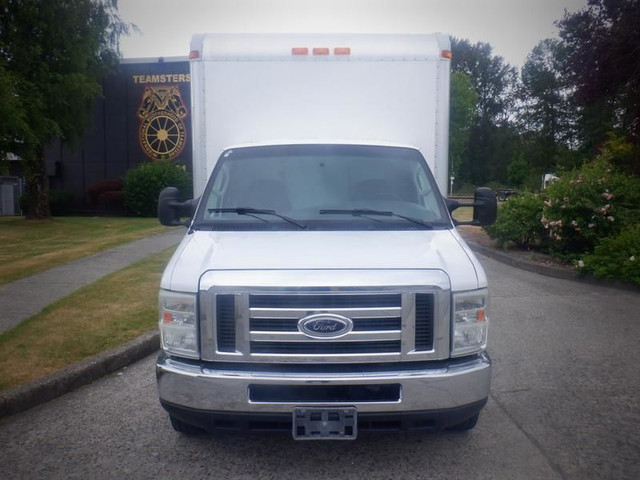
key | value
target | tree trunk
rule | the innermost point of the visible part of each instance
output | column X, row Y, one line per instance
column 36, row 186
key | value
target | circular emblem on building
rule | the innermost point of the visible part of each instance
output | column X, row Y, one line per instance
column 162, row 133
column 325, row 325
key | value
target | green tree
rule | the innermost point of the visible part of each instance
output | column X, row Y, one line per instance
column 547, row 107
column 491, row 136
column 518, row 170
column 463, row 112
column 546, row 114
column 52, row 55
column 492, row 78
column 601, row 43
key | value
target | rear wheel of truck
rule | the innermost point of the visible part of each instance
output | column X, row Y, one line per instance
column 466, row 425
column 185, row 428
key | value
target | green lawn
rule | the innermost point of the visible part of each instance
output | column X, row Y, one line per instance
column 31, row 246
column 100, row 316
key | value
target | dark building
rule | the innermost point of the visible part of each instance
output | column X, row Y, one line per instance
column 143, row 116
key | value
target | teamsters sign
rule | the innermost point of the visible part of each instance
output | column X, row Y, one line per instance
column 163, row 109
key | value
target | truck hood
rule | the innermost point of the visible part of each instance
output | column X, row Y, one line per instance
column 203, row 251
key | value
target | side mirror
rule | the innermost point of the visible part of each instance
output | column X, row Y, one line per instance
column 485, row 208
column 170, row 208
column 451, row 204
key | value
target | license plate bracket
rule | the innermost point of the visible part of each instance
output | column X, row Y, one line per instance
column 321, row 423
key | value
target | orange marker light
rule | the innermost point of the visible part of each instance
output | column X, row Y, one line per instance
column 446, row 54
column 480, row 316
column 342, row 51
column 299, row 51
column 167, row 317
column 321, row 51
column 193, row 54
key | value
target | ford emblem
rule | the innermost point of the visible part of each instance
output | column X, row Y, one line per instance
column 325, row 325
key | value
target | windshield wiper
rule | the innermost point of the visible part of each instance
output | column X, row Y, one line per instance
column 252, row 212
column 364, row 212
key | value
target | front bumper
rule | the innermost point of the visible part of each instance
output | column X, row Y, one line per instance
column 196, row 389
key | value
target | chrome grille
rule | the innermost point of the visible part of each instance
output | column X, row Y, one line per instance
column 324, row 348
column 318, row 301
column 274, row 324
column 258, row 320
column 291, row 325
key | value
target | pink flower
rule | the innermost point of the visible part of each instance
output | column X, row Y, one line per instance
column 608, row 196
column 610, row 218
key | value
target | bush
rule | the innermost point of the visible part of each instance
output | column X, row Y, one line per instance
column 616, row 258
column 112, row 202
column 98, row 188
column 587, row 205
column 519, row 223
column 142, row 185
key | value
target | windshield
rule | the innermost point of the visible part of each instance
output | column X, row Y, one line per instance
column 321, row 187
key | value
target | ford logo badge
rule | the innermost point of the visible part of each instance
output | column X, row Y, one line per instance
column 325, row 325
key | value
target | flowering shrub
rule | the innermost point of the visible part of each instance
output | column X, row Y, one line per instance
column 519, row 223
column 617, row 257
column 587, row 205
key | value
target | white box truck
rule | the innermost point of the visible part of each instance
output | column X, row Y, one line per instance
column 321, row 287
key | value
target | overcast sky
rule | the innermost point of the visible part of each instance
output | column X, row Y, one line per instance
column 512, row 27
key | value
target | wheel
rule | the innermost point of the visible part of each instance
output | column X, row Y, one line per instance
column 468, row 424
column 185, row 428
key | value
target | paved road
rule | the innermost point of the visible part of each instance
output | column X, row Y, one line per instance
column 565, row 404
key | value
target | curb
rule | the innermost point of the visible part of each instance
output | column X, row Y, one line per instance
column 40, row 391
column 549, row 270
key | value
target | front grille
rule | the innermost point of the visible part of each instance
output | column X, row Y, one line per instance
column 359, row 325
column 370, row 313
column 264, row 326
column 324, row 348
column 315, row 302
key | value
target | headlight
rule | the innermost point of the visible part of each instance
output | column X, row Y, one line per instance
column 470, row 322
column 178, row 324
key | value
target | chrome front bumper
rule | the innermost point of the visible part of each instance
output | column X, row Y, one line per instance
column 425, row 386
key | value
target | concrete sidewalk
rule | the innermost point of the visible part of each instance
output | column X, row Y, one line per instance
column 24, row 298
